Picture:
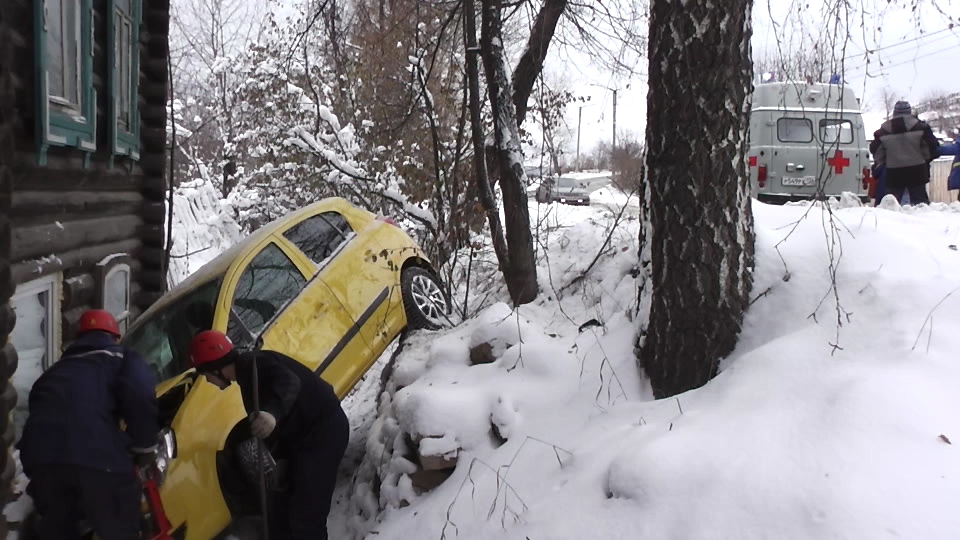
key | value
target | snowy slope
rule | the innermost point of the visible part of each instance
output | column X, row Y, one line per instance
column 203, row 227
column 796, row 438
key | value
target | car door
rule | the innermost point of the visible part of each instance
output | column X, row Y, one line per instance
column 840, row 154
column 273, row 296
column 795, row 156
column 340, row 258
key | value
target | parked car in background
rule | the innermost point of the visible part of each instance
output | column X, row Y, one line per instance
column 572, row 188
column 330, row 285
column 807, row 140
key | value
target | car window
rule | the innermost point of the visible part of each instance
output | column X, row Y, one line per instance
column 164, row 338
column 566, row 182
column 794, row 130
column 264, row 287
column 836, row 131
column 319, row 236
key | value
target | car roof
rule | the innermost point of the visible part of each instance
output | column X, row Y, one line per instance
column 221, row 263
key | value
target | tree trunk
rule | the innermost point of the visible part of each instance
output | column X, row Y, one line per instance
column 700, row 232
column 531, row 63
column 521, row 273
column 484, row 191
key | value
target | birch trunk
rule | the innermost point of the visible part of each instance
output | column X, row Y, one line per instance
column 697, row 244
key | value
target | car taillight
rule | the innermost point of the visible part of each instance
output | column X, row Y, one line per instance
column 867, row 180
column 385, row 219
column 762, row 175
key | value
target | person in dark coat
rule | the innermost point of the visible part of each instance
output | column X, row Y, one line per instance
column 905, row 146
column 299, row 415
column 79, row 461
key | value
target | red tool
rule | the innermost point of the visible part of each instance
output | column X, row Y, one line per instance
column 151, row 491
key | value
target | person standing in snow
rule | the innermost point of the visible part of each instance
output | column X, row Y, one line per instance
column 79, row 462
column 905, row 145
column 299, row 415
column 953, row 149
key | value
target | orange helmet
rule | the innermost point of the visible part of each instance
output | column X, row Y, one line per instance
column 99, row 320
column 207, row 348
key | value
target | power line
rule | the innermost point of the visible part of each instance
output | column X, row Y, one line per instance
column 889, row 57
column 885, row 47
column 914, row 59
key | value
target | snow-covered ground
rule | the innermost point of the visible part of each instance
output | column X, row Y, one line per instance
column 812, row 430
column 203, row 227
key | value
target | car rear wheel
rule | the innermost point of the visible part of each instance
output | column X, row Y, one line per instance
column 424, row 301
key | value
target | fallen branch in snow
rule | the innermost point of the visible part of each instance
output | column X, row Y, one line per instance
column 556, row 294
column 929, row 319
column 519, row 343
column 190, row 254
column 605, row 362
column 761, row 295
column 506, row 486
column 603, row 247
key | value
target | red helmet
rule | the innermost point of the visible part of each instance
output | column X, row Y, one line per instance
column 207, row 347
column 100, row 320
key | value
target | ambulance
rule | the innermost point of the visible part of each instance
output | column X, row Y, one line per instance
column 807, row 141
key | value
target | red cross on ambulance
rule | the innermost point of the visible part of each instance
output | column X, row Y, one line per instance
column 838, row 162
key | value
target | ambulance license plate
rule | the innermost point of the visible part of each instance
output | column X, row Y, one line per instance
column 799, row 180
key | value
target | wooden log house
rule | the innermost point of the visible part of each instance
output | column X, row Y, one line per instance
column 82, row 187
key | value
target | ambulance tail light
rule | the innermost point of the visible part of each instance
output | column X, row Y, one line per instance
column 762, row 175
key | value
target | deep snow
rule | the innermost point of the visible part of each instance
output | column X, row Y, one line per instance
column 796, row 438
column 810, row 431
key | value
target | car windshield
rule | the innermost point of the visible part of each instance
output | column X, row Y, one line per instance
column 164, row 339
column 566, row 183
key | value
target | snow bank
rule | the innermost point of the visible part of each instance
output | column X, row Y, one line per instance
column 812, row 430
column 203, row 227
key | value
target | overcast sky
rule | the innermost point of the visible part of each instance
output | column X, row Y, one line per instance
column 915, row 50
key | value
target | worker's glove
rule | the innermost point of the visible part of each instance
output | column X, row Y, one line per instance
column 262, row 424
column 144, row 458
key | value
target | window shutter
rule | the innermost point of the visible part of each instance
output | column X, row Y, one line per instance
column 123, row 80
column 57, row 125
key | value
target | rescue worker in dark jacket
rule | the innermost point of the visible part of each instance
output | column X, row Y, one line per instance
column 80, row 463
column 905, row 146
column 299, row 415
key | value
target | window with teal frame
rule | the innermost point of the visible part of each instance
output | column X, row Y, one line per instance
column 123, row 37
column 66, row 100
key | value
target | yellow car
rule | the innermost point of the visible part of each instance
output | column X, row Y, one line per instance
column 330, row 285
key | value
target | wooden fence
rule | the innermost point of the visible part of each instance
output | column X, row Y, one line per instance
column 937, row 188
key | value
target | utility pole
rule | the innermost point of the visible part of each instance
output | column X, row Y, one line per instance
column 579, row 116
column 613, row 146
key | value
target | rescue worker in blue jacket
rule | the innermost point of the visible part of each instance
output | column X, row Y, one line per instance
column 299, row 416
column 905, row 146
column 79, row 461
column 953, row 149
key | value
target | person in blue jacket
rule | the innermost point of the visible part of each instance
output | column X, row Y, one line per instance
column 879, row 172
column 79, row 461
column 953, row 149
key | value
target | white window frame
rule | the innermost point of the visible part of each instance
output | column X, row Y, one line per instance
column 123, row 317
column 51, row 284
